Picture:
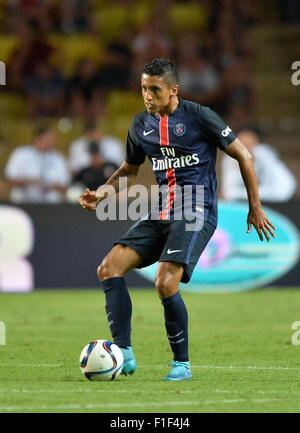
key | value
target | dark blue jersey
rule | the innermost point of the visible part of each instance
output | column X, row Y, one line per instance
column 182, row 150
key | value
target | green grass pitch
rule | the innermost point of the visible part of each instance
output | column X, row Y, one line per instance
column 241, row 352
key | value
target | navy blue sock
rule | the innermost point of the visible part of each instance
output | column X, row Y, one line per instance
column 176, row 321
column 118, row 310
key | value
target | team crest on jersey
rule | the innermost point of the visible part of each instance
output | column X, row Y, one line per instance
column 179, row 129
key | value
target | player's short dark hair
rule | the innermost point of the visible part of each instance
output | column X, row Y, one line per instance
column 163, row 68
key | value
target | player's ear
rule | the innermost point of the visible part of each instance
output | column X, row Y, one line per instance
column 174, row 90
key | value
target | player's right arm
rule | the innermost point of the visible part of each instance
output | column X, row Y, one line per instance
column 90, row 199
column 135, row 156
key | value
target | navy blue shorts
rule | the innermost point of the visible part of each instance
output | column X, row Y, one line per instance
column 168, row 241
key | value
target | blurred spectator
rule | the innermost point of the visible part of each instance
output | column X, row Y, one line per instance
column 110, row 149
column 3, row 152
column 32, row 49
column 218, row 76
column 45, row 91
column 75, row 16
column 187, row 45
column 276, row 183
column 98, row 172
column 229, row 21
column 152, row 42
column 30, row 10
column 115, row 72
column 290, row 10
column 3, row 147
column 199, row 80
column 236, row 100
column 83, row 95
column 38, row 173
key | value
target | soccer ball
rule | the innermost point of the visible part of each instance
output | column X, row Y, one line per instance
column 101, row 360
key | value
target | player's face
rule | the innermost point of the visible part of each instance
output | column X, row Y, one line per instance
column 157, row 94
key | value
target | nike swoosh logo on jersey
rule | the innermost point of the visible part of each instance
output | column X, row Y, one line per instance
column 173, row 251
column 148, row 132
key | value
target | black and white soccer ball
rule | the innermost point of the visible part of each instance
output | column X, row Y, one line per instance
column 101, row 360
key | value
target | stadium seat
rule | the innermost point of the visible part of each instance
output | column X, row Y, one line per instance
column 11, row 106
column 117, row 126
column 111, row 21
column 73, row 48
column 7, row 45
column 187, row 16
column 120, row 102
column 14, row 136
column 139, row 14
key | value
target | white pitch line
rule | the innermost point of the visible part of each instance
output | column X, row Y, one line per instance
column 255, row 392
column 227, row 367
column 89, row 391
column 32, row 365
column 122, row 391
column 137, row 404
column 231, row 367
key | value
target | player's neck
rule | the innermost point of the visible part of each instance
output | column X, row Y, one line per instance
column 173, row 104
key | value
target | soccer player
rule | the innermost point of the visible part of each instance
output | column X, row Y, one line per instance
column 180, row 139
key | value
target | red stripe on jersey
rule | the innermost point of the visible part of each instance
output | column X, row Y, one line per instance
column 171, row 187
column 163, row 131
column 164, row 141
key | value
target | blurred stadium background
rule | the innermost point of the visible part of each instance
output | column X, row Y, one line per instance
column 69, row 63
column 74, row 65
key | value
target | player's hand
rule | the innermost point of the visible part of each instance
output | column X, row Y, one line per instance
column 89, row 200
column 262, row 225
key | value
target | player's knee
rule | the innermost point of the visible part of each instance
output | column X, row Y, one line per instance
column 100, row 271
column 104, row 271
column 165, row 287
column 109, row 268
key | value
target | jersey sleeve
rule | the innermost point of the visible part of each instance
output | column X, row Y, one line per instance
column 135, row 154
column 216, row 128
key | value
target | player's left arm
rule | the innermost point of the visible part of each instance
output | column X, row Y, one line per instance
column 256, row 215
